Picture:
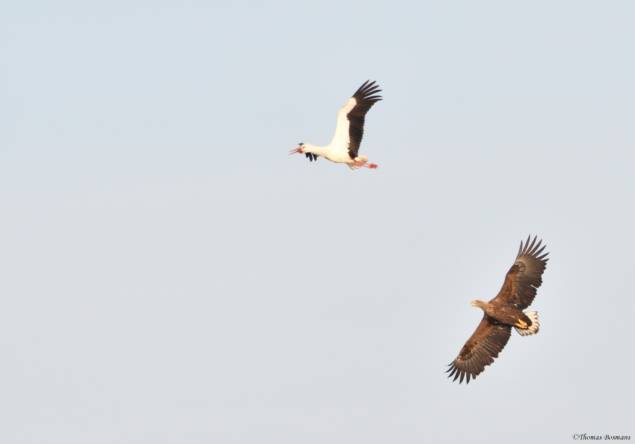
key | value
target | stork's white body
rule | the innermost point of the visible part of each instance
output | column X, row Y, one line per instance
column 337, row 150
column 338, row 147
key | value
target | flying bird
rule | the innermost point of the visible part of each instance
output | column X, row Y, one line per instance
column 504, row 312
column 344, row 146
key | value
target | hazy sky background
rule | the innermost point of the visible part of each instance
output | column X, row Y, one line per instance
column 170, row 275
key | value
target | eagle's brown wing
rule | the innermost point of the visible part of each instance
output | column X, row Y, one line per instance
column 480, row 350
column 524, row 277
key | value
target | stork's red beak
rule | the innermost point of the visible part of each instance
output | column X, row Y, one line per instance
column 297, row 150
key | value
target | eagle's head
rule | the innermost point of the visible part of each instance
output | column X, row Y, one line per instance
column 478, row 303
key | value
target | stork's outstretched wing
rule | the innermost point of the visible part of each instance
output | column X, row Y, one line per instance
column 350, row 118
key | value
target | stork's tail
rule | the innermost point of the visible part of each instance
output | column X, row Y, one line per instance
column 533, row 328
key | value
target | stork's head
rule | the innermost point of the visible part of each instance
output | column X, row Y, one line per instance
column 298, row 150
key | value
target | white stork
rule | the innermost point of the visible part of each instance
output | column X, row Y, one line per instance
column 349, row 131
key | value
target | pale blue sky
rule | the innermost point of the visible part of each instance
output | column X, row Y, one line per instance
column 169, row 274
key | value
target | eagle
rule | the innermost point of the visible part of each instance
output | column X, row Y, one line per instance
column 504, row 312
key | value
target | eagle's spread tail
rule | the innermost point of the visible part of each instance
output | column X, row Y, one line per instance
column 533, row 328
